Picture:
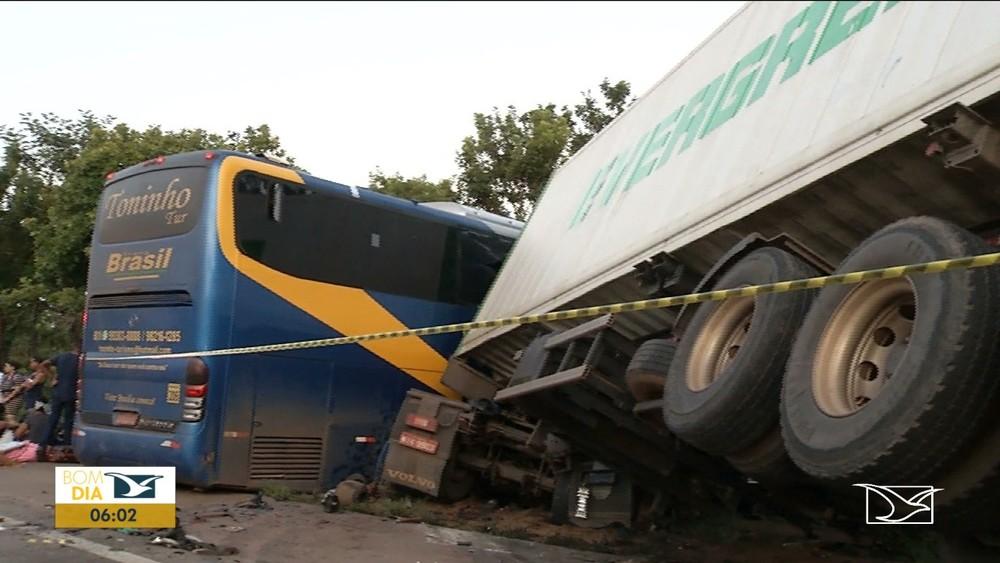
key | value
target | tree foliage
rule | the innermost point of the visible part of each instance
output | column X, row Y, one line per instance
column 417, row 188
column 51, row 177
column 595, row 114
column 506, row 164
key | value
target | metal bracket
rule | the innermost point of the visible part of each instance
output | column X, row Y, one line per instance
column 961, row 138
column 662, row 275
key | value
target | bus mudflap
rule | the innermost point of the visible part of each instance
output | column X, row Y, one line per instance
column 422, row 441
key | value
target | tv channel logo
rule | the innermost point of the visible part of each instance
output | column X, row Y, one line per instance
column 134, row 486
column 109, row 497
column 899, row 504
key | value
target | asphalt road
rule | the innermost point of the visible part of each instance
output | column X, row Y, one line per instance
column 284, row 531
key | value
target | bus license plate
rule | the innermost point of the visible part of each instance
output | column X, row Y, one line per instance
column 124, row 418
column 426, row 445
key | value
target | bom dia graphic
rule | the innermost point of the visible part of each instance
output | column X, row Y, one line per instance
column 115, row 497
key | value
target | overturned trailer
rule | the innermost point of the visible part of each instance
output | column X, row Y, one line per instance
column 801, row 138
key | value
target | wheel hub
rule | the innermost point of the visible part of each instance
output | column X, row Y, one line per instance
column 719, row 342
column 863, row 345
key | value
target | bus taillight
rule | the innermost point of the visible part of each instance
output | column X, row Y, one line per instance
column 195, row 390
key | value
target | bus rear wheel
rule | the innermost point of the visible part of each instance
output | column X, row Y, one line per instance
column 887, row 382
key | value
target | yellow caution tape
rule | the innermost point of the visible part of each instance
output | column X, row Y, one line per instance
column 979, row 261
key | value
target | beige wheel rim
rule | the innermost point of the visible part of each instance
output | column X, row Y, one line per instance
column 862, row 345
column 719, row 342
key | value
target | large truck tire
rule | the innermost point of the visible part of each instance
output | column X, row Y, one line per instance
column 767, row 462
column 457, row 483
column 724, row 384
column 647, row 371
column 970, row 492
column 889, row 381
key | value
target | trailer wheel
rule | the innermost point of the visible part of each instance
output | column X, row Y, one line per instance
column 971, row 491
column 767, row 462
column 647, row 370
column 724, row 384
column 456, row 483
column 890, row 380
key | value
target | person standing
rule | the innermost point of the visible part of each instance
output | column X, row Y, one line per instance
column 11, row 392
column 37, row 382
column 63, row 399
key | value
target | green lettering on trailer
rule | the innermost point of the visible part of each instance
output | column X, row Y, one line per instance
column 838, row 29
column 792, row 48
column 734, row 93
column 691, row 119
column 616, row 176
column 649, row 158
column 588, row 199
column 793, row 51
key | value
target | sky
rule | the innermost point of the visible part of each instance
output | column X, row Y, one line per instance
column 347, row 86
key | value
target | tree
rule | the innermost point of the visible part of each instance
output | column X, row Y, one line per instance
column 51, row 178
column 592, row 115
column 20, row 199
column 506, row 164
column 416, row 188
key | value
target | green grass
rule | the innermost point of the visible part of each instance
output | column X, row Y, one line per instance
column 286, row 493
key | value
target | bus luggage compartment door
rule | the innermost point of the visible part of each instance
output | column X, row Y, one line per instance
column 290, row 414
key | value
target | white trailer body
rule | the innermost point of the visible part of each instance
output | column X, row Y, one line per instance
column 793, row 117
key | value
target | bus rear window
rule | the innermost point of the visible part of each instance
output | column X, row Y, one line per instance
column 155, row 204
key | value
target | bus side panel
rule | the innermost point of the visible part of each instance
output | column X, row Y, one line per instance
column 237, row 420
column 417, row 313
column 302, row 417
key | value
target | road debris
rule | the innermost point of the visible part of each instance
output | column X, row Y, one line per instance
column 134, row 531
column 350, row 491
column 257, row 502
column 408, row 520
column 164, row 541
column 177, row 538
column 329, row 501
column 199, row 516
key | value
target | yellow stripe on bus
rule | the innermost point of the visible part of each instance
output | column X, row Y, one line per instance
column 346, row 310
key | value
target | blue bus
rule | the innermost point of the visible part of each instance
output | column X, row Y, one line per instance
column 216, row 249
